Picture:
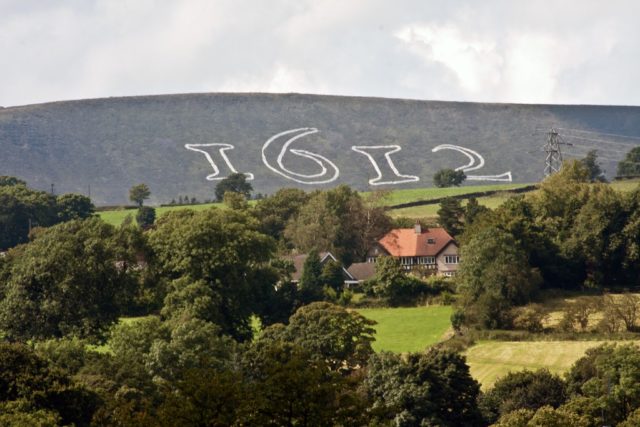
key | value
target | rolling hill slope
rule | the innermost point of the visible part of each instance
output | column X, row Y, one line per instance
column 175, row 142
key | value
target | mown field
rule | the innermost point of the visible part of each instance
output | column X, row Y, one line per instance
column 409, row 329
column 490, row 360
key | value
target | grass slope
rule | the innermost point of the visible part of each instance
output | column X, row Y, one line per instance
column 410, row 329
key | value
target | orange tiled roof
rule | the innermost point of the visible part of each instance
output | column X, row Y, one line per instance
column 406, row 242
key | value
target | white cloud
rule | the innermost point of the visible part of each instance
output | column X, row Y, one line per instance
column 575, row 51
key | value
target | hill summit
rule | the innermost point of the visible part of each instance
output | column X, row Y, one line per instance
column 183, row 144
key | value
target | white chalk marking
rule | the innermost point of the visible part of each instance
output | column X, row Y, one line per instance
column 390, row 149
column 219, row 148
column 473, row 156
column 321, row 161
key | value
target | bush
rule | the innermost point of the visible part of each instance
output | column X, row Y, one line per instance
column 146, row 216
column 529, row 318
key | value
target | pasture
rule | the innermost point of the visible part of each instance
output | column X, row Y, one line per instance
column 408, row 329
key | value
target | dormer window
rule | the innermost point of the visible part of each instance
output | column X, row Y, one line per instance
column 431, row 241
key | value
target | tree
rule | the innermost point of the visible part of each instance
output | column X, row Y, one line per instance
column 523, row 390
column 6, row 181
column 596, row 174
column 430, row 388
column 274, row 211
column 288, row 385
column 340, row 338
column 610, row 376
column 222, row 251
column 146, row 216
column 630, row 166
column 74, row 206
column 139, row 193
column 310, row 284
column 31, row 390
column 392, row 283
column 448, row 178
column 473, row 210
column 235, row 183
column 338, row 221
column 72, row 279
column 333, row 276
column 450, row 216
column 21, row 209
column 494, row 276
column 235, row 201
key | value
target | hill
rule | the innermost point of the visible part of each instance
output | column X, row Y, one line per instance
column 180, row 144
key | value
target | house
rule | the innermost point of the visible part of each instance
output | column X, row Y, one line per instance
column 298, row 264
column 426, row 252
column 361, row 271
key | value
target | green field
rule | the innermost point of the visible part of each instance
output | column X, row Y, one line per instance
column 116, row 217
column 490, row 360
column 411, row 329
column 412, row 195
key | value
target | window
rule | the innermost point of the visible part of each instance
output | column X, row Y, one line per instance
column 449, row 273
column 426, row 260
column 371, row 259
column 451, row 259
column 406, row 260
column 431, row 241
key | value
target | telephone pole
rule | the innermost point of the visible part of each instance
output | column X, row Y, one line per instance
column 553, row 161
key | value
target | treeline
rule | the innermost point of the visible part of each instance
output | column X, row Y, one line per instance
column 571, row 234
column 23, row 208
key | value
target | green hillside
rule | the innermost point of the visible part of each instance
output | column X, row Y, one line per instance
column 111, row 144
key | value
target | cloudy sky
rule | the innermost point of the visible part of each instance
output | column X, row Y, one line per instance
column 561, row 51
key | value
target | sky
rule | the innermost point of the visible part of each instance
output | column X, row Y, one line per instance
column 558, row 52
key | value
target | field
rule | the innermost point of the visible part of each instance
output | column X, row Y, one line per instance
column 116, row 217
column 490, row 360
column 411, row 329
column 412, row 195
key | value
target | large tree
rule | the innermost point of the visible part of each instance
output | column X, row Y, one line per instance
column 223, row 256
column 72, row 279
column 235, row 183
column 423, row 389
column 21, row 209
column 74, row 206
column 338, row 220
column 494, row 276
column 274, row 211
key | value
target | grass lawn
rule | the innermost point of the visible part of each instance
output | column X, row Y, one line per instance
column 490, row 360
column 410, row 329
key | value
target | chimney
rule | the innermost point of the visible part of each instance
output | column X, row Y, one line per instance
column 418, row 228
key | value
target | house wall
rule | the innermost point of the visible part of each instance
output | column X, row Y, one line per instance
column 450, row 250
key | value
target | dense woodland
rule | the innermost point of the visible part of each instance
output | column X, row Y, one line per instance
column 190, row 288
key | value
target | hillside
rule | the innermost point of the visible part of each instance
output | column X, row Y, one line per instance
column 111, row 144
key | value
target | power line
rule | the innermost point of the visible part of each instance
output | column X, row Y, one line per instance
column 601, row 133
column 601, row 141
